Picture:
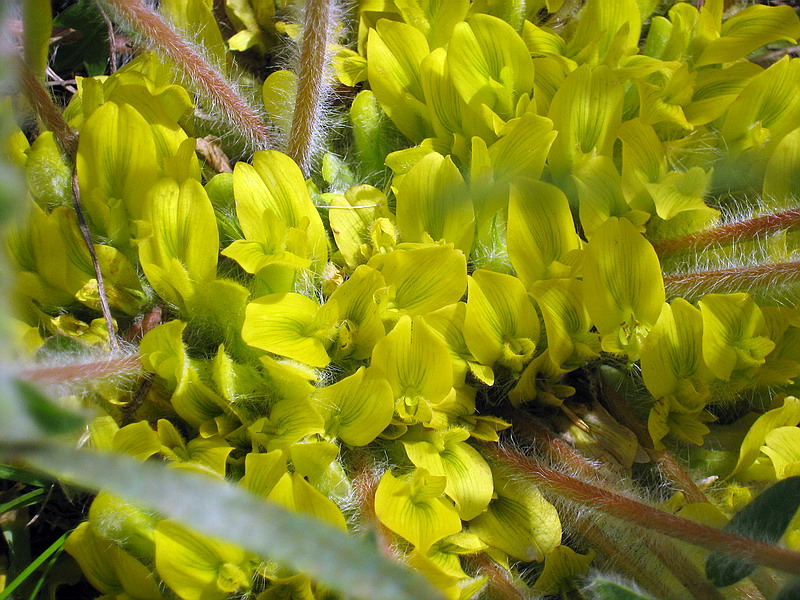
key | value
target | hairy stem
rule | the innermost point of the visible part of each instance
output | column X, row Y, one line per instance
column 48, row 113
column 731, row 280
column 239, row 115
column 645, row 516
column 117, row 365
column 45, row 108
column 672, row 557
column 724, row 234
column 311, row 90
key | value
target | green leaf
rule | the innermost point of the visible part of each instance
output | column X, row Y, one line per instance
column 50, row 418
column 765, row 519
column 218, row 509
column 357, row 408
column 432, row 200
column 37, row 20
column 489, row 64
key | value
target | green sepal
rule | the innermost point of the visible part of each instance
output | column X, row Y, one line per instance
column 357, row 408
column 413, row 508
column 48, row 176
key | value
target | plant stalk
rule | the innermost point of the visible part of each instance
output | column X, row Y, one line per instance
column 645, row 516
column 725, row 234
column 240, row 116
column 311, row 91
column 731, row 280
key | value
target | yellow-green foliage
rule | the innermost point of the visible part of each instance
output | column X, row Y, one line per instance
column 314, row 340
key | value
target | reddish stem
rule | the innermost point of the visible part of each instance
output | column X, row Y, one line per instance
column 648, row 517
column 731, row 280
column 42, row 104
column 310, row 81
column 725, row 234
column 497, row 577
column 123, row 365
column 240, row 115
